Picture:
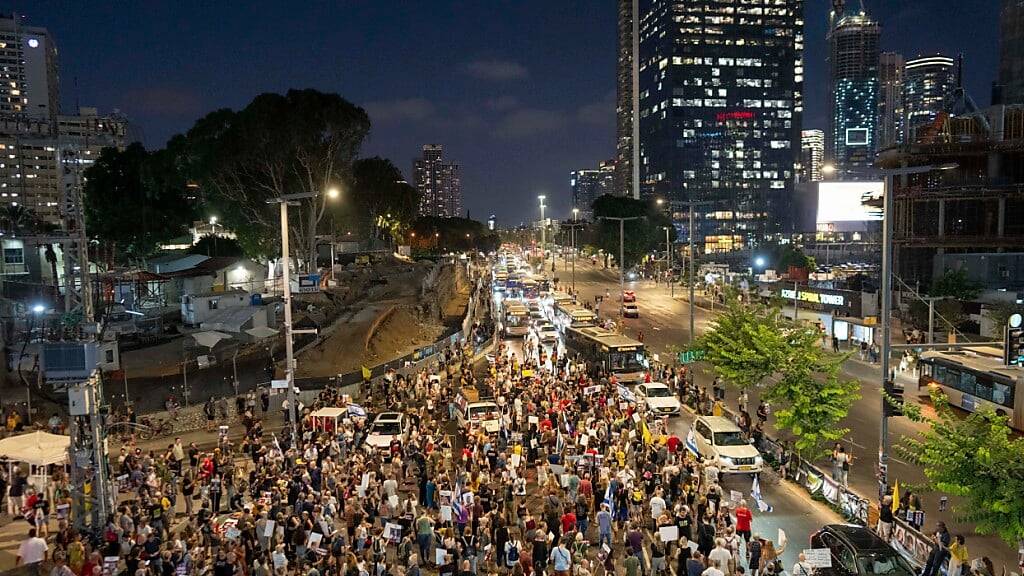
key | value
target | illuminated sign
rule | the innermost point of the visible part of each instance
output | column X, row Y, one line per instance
column 848, row 201
column 724, row 116
column 814, row 297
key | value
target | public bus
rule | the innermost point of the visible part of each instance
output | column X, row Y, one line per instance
column 516, row 319
column 972, row 379
column 572, row 315
column 614, row 352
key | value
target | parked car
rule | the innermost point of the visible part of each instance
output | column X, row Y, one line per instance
column 720, row 440
column 857, row 551
column 387, row 426
column 546, row 332
column 628, row 296
column 630, row 310
column 658, row 398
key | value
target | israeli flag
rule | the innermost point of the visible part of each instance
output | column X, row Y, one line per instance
column 691, row 442
column 357, row 410
column 755, row 492
column 626, row 394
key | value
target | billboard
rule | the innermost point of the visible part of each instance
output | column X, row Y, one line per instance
column 845, row 201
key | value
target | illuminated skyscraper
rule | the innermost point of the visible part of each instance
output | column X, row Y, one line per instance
column 812, row 155
column 720, row 87
column 853, row 89
column 438, row 183
column 891, row 112
column 626, row 105
column 928, row 85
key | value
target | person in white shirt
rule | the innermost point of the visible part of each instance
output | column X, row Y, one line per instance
column 657, row 504
column 32, row 550
column 713, row 570
column 720, row 555
column 802, row 568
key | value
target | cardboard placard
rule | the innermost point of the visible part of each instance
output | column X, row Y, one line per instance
column 269, row 530
column 735, row 496
column 819, row 557
column 446, row 513
column 669, row 533
column 393, row 532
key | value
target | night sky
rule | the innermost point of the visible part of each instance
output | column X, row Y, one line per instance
column 519, row 92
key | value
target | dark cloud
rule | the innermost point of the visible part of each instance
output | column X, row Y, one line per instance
column 528, row 122
column 601, row 113
column 400, row 110
column 496, row 70
column 164, row 102
column 501, row 103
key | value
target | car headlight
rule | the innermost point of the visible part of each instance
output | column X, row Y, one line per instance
column 758, row 460
column 725, row 460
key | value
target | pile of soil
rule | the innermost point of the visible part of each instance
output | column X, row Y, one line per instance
column 401, row 334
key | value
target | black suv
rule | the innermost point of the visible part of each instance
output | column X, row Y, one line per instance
column 857, row 551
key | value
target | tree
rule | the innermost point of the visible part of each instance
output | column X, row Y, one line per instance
column 948, row 312
column 302, row 142
column 135, row 199
column 213, row 245
column 746, row 344
column 812, row 398
column 381, row 194
column 754, row 345
column 956, row 284
column 977, row 458
column 431, row 233
column 1000, row 312
column 639, row 236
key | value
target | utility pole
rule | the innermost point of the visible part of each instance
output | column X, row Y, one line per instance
column 668, row 265
column 796, row 305
column 92, row 496
column 622, row 267
column 691, row 204
column 931, row 315
column 888, row 218
column 543, row 232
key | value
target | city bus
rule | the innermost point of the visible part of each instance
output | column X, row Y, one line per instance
column 515, row 319
column 614, row 352
column 572, row 315
column 972, row 379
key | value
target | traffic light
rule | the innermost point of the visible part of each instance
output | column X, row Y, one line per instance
column 1013, row 345
column 893, row 405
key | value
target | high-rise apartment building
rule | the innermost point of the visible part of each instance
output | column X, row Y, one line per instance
column 928, row 86
column 891, row 118
column 36, row 140
column 626, row 105
column 587, row 185
column 812, row 155
column 720, row 86
column 438, row 183
column 1009, row 88
column 853, row 59
column 28, row 70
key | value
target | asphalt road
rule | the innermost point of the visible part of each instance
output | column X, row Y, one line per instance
column 664, row 322
column 793, row 511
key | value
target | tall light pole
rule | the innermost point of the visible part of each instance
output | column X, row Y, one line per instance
column 284, row 201
column 575, row 219
column 543, row 232
column 622, row 267
column 888, row 202
column 691, row 204
column 213, row 224
column 668, row 263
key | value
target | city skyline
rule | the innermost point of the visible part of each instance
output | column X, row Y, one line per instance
column 545, row 104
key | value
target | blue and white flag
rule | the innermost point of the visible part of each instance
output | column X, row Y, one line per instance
column 691, row 442
column 626, row 394
column 357, row 410
column 755, row 492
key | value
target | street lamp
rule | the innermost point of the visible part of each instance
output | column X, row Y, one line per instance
column 828, row 169
column 543, row 231
column 575, row 219
column 888, row 202
column 759, row 262
column 285, row 200
column 213, row 224
column 668, row 264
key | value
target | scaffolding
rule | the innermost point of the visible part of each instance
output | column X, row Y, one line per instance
column 92, row 495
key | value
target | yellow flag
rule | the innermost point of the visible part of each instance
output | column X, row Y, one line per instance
column 366, row 373
column 896, row 496
column 645, row 433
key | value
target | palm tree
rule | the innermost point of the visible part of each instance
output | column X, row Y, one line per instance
column 16, row 219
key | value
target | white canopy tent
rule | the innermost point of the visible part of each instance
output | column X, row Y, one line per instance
column 327, row 419
column 38, row 450
column 210, row 338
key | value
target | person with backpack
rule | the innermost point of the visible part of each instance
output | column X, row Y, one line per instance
column 512, row 550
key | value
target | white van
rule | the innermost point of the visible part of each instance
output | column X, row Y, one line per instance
column 720, row 440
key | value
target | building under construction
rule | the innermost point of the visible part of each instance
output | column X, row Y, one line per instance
column 970, row 217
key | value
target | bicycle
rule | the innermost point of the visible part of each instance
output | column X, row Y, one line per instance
column 154, row 428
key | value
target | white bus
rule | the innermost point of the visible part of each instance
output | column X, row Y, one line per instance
column 515, row 319
column 615, row 353
column 569, row 315
column 972, row 379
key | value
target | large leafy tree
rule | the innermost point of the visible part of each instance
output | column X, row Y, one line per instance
column 135, row 199
column 381, row 196
column 639, row 237
column 302, row 142
column 755, row 346
column 431, row 233
column 978, row 458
